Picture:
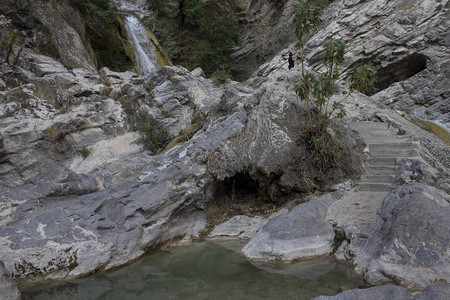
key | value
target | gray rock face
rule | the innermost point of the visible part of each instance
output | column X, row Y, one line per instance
column 77, row 192
column 385, row 292
column 65, row 25
column 408, row 243
column 439, row 291
column 268, row 150
column 266, row 29
column 7, row 285
column 110, row 227
column 407, row 41
column 302, row 233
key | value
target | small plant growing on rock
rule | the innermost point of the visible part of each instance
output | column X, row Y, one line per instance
column 53, row 133
column 317, row 89
column 85, row 152
column 154, row 137
column 220, row 76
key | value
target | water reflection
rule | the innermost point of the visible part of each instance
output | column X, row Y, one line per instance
column 207, row 270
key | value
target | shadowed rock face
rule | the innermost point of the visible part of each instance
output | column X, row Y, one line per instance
column 399, row 71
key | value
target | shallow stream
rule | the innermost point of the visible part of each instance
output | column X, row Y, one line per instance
column 207, row 270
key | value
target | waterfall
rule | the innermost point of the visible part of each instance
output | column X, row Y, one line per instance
column 144, row 48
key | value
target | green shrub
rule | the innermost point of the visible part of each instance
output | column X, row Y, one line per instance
column 221, row 76
column 154, row 137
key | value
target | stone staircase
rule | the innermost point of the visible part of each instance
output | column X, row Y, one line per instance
column 385, row 147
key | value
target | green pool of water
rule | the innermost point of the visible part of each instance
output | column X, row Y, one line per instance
column 207, row 270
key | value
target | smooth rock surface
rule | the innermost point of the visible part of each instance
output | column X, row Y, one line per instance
column 301, row 233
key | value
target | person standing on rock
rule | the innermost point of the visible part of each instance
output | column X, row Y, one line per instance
column 291, row 61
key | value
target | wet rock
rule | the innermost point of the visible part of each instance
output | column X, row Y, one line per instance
column 384, row 292
column 302, row 233
column 7, row 285
column 408, row 242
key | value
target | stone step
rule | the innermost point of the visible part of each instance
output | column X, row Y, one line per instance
column 386, row 140
column 380, row 170
column 378, row 135
column 374, row 187
column 368, row 125
column 397, row 153
column 381, row 161
column 396, row 145
column 377, row 178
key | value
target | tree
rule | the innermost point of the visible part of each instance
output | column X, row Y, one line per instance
column 317, row 89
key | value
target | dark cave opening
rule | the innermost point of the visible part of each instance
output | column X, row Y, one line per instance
column 240, row 188
column 237, row 195
column 399, row 71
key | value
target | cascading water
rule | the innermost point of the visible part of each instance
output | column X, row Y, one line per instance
column 144, row 48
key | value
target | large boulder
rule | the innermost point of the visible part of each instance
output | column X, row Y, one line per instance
column 303, row 232
column 408, row 243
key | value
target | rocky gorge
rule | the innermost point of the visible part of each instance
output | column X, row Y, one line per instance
column 99, row 167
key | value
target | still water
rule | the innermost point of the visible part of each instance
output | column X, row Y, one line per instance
column 207, row 270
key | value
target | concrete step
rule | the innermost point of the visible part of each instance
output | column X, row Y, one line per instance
column 368, row 125
column 378, row 135
column 396, row 145
column 380, row 170
column 381, row 161
column 397, row 153
column 374, row 187
column 377, row 178
column 385, row 140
